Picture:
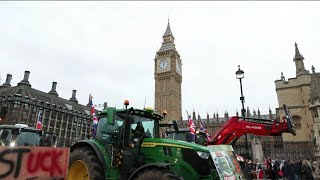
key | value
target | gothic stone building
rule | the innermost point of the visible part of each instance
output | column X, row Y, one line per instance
column 168, row 78
column 67, row 119
column 301, row 94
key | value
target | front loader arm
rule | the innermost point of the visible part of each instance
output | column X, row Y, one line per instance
column 238, row 126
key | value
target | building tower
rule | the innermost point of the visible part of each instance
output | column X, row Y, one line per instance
column 295, row 93
column 168, row 78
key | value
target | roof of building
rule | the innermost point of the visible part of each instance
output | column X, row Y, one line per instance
column 24, row 89
column 168, row 30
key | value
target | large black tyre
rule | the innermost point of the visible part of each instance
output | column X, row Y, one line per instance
column 158, row 174
column 85, row 165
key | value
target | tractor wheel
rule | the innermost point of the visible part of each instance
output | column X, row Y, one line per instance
column 158, row 174
column 84, row 164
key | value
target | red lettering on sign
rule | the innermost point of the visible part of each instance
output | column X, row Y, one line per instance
column 55, row 164
column 32, row 165
column 47, row 161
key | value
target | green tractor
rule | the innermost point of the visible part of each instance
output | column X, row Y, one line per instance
column 127, row 145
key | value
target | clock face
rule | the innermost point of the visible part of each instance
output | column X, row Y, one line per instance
column 164, row 65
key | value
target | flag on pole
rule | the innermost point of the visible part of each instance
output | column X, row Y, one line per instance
column 204, row 129
column 39, row 121
column 191, row 125
column 192, row 129
column 94, row 117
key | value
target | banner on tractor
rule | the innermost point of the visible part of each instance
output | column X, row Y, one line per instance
column 226, row 162
column 25, row 162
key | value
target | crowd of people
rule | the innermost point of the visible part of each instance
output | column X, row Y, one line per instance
column 286, row 170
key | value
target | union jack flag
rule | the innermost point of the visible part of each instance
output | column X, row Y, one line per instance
column 94, row 117
column 204, row 129
column 191, row 125
column 39, row 121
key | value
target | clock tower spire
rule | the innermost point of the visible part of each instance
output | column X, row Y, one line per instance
column 168, row 78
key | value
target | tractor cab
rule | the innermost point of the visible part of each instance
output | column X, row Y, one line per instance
column 17, row 135
column 127, row 127
column 22, row 135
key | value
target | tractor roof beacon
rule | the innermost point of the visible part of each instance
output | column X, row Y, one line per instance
column 128, row 146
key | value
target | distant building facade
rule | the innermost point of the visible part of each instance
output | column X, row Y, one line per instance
column 68, row 119
column 168, row 78
column 301, row 94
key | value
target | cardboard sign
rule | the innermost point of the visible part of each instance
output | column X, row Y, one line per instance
column 25, row 162
column 226, row 162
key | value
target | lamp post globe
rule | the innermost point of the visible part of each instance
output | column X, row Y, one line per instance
column 239, row 73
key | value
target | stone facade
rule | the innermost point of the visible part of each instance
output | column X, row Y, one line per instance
column 301, row 95
column 67, row 119
column 168, row 78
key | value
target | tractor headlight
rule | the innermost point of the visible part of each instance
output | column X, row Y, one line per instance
column 12, row 144
column 203, row 155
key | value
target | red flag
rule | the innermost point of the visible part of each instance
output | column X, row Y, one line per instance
column 94, row 117
column 39, row 121
column 191, row 126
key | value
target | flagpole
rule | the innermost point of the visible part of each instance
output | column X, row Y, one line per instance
column 37, row 115
column 91, row 116
column 91, row 125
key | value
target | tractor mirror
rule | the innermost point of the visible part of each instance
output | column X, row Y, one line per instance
column 175, row 127
column 289, row 119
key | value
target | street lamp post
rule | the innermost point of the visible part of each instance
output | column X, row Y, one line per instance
column 240, row 75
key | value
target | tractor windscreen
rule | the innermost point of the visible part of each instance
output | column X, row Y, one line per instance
column 26, row 138
column 142, row 126
column 110, row 133
column 181, row 136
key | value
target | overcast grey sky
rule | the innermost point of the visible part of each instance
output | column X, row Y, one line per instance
column 108, row 49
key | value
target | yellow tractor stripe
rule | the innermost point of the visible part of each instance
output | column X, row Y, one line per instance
column 149, row 144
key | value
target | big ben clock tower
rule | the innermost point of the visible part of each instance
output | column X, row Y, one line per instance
column 168, row 78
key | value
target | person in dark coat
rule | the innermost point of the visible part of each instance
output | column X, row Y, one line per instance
column 289, row 171
column 306, row 171
column 274, row 170
column 298, row 165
